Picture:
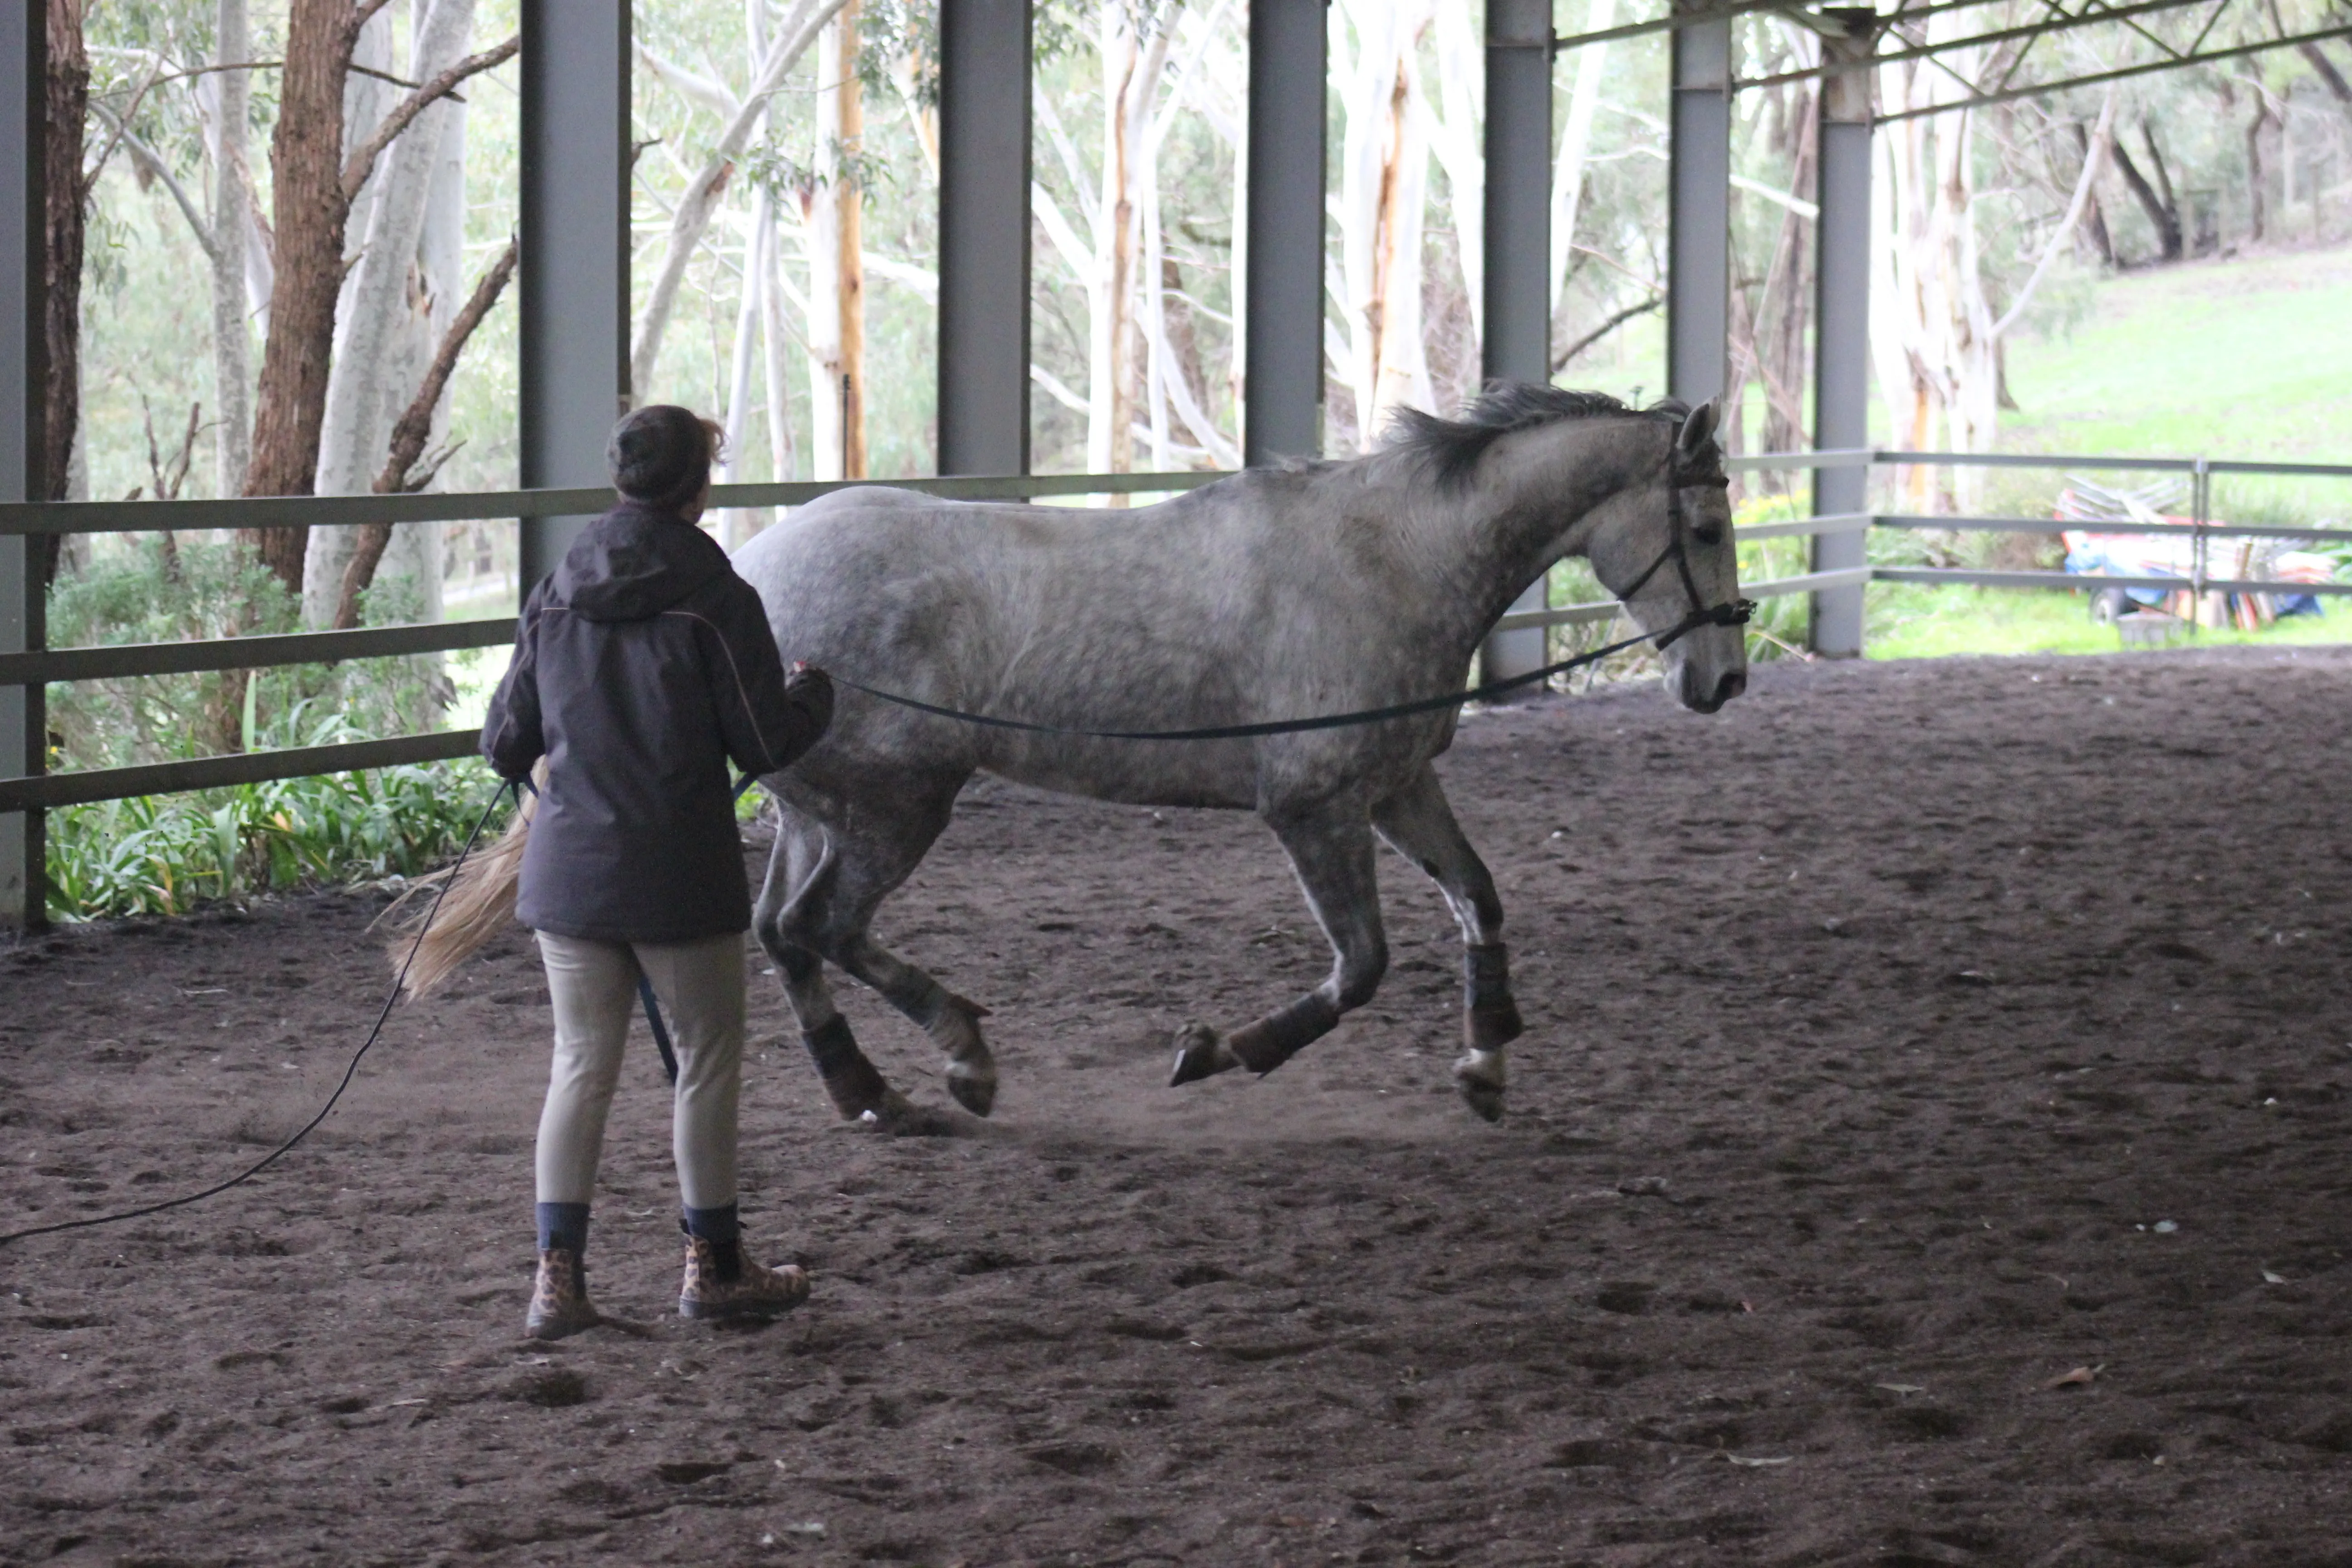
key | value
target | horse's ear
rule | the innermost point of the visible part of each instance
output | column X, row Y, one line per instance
column 1697, row 425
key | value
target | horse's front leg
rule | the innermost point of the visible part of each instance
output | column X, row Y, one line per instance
column 1419, row 823
column 1330, row 848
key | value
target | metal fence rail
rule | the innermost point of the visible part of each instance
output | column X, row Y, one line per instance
column 116, row 661
column 42, row 666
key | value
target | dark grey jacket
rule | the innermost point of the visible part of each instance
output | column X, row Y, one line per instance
column 642, row 666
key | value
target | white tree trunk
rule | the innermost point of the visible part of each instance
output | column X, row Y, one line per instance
column 775, row 337
column 231, row 96
column 1131, row 69
column 366, row 100
column 1110, row 441
column 418, row 550
column 1383, row 190
column 383, row 329
column 737, row 524
column 1937, row 366
column 1165, row 379
column 836, row 292
column 1575, row 144
column 1457, row 138
column 1237, row 367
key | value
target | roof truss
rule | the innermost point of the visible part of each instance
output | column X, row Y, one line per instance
column 2062, row 16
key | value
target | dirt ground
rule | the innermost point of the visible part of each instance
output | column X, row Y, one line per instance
column 1900, row 1040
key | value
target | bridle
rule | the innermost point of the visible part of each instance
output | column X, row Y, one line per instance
column 1733, row 612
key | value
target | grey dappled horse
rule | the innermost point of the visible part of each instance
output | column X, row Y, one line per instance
column 1279, row 592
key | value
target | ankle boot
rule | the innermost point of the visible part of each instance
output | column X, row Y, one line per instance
column 558, row 1297
column 720, row 1282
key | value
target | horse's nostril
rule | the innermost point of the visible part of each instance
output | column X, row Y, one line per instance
column 1733, row 683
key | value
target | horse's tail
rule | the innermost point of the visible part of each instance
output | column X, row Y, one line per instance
column 470, row 908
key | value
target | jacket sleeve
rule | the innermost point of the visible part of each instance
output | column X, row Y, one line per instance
column 766, row 721
column 511, row 737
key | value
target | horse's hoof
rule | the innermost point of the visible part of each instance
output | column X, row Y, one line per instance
column 899, row 1117
column 1478, row 1076
column 974, row 1088
column 856, row 1090
column 1200, row 1054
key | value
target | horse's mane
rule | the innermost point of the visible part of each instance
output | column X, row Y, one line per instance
column 1449, row 449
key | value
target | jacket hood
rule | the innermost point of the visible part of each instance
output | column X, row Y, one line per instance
column 633, row 562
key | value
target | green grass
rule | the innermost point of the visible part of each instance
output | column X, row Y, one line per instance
column 2243, row 359
column 1909, row 620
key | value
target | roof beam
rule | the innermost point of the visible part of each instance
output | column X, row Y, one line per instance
column 2091, row 12
column 2093, row 79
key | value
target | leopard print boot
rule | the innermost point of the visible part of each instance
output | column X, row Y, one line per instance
column 720, row 1282
column 559, row 1298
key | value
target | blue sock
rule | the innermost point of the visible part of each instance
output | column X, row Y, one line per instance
column 564, row 1226
column 718, row 1226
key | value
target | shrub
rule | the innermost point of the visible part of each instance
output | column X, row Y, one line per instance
column 163, row 588
column 166, row 854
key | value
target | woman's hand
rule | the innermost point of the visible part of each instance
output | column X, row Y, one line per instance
column 810, row 687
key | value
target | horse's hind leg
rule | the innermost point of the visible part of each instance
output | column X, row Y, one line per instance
column 832, row 879
column 1331, row 850
column 801, row 860
column 1419, row 823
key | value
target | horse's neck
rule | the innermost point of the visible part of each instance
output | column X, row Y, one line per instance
column 1534, row 498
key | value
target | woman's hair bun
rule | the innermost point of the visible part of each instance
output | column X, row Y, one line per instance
column 661, row 454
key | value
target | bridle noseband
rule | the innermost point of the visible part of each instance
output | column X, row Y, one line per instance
column 1736, row 612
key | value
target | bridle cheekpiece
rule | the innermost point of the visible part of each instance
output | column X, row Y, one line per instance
column 1733, row 612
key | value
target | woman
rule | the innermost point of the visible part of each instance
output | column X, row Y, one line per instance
column 642, row 666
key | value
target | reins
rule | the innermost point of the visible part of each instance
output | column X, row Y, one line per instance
column 1733, row 612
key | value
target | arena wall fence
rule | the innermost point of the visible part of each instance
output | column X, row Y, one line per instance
column 36, row 666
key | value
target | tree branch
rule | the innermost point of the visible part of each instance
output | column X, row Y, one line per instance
column 230, row 66
column 692, row 218
column 154, row 164
column 1075, row 252
column 414, row 428
column 2337, row 87
column 355, row 173
column 1560, row 361
column 121, row 129
column 703, row 89
column 2100, row 135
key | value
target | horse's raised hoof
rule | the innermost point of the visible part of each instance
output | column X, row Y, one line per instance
column 973, row 1085
column 1478, row 1076
column 1200, row 1054
column 971, row 1071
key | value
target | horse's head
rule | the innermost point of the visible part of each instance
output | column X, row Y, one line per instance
column 1664, row 547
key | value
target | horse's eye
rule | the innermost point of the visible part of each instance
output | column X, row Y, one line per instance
column 1708, row 534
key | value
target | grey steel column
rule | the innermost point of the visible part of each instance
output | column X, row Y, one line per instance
column 1842, row 321
column 1699, row 243
column 1518, row 345
column 1282, row 370
column 575, row 253
column 23, row 719
column 984, row 174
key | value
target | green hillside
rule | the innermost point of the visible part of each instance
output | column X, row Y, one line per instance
column 2246, row 359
